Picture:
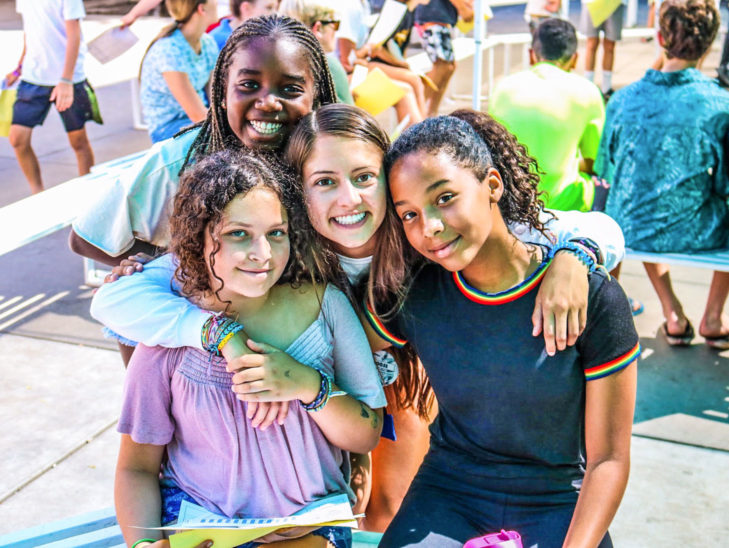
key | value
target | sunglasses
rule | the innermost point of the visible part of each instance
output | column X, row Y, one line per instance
column 334, row 23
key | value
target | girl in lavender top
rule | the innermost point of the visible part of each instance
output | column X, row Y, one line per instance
column 245, row 250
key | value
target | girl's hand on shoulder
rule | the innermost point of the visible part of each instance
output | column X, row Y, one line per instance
column 560, row 311
column 271, row 375
column 264, row 413
column 128, row 266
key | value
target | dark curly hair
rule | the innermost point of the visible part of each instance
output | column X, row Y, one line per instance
column 208, row 187
column 215, row 132
column 688, row 28
column 475, row 141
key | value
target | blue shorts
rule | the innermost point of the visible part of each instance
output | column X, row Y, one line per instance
column 33, row 103
column 172, row 497
column 169, row 129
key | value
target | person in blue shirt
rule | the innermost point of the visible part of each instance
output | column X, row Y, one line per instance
column 664, row 153
column 240, row 10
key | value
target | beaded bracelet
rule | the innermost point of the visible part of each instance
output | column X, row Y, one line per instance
column 590, row 246
column 584, row 257
column 217, row 332
column 325, row 391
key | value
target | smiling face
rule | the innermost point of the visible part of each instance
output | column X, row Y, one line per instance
column 344, row 187
column 254, row 246
column 270, row 87
column 447, row 213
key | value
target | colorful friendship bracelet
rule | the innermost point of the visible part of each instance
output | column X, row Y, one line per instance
column 325, row 392
column 586, row 257
column 217, row 332
column 141, row 540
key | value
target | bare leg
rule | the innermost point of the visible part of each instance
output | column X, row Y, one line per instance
column 82, row 148
column 408, row 105
column 407, row 76
column 608, row 54
column 712, row 324
column 19, row 138
column 440, row 74
column 394, row 465
column 660, row 277
column 590, row 53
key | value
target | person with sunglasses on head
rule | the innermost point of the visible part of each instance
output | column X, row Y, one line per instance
column 321, row 17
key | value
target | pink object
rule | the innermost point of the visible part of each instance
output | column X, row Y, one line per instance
column 504, row 539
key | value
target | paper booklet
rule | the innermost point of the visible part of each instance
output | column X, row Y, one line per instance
column 196, row 524
column 111, row 43
column 389, row 19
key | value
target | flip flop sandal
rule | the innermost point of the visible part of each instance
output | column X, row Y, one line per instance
column 718, row 342
column 682, row 339
column 636, row 307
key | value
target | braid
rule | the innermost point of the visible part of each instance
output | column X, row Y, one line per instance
column 215, row 132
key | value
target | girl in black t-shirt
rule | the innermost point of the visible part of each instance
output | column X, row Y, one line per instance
column 523, row 440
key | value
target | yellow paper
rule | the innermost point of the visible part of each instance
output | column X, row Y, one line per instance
column 377, row 92
column 600, row 10
column 228, row 538
column 7, row 100
column 467, row 26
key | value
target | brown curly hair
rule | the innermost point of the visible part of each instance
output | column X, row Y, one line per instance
column 688, row 28
column 208, row 187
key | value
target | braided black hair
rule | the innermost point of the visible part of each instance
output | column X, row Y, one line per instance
column 215, row 132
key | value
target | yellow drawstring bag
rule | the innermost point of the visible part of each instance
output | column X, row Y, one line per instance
column 7, row 100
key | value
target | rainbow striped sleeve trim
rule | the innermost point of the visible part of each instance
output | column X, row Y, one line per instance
column 503, row 297
column 600, row 371
column 381, row 330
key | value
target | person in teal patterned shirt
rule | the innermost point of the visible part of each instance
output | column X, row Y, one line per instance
column 664, row 153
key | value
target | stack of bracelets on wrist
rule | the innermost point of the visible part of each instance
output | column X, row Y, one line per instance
column 325, row 391
column 217, row 332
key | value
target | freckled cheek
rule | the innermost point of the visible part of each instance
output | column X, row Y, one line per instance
column 317, row 209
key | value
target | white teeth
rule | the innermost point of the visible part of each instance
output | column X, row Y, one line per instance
column 266, row 128
column 350, row 219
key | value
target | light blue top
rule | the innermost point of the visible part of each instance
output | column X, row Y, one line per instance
column 663, row 150
column 138, row 202
column 173, row 54
column 142, row 307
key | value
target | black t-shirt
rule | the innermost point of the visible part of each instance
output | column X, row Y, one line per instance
column 503, row 402
column 436, row 11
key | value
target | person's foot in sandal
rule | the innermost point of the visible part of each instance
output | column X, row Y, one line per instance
column 716, row 334
column 636, row 307
column 678, row 339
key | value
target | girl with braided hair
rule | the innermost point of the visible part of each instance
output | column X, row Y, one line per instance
column 244, row 250
column 523, row 440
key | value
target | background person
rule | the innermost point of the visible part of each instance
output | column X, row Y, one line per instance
column 51, row 70
column 176, row 69
column 663, row 151
column 612, row 29
column 240, row 10
column 556, row 114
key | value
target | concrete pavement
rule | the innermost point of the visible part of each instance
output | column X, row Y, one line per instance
column 63, row 382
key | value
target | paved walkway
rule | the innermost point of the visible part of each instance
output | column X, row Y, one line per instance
column 62, row 383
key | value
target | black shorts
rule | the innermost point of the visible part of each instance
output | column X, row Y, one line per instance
column 33, row 103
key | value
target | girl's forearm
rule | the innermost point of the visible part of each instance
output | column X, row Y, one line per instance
column 601, row 493
column 349, row 424
column 138, row 502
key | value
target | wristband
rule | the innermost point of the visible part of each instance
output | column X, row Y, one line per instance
column 141, row 540
column 325, row 391
column 16, row 72
column 586, row 258
column 591, row 247
column 63, row 80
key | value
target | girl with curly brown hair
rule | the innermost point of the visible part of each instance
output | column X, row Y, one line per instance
column 244, row 251
column 523, row 440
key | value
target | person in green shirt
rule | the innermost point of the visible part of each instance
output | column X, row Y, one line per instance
column 557, row 115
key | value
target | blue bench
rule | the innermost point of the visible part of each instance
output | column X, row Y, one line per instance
column 99, row 528
column 713, row 260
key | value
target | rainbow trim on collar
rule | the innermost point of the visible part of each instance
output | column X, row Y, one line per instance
column 380, row 328
column 502, row 297
column 621, row 362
